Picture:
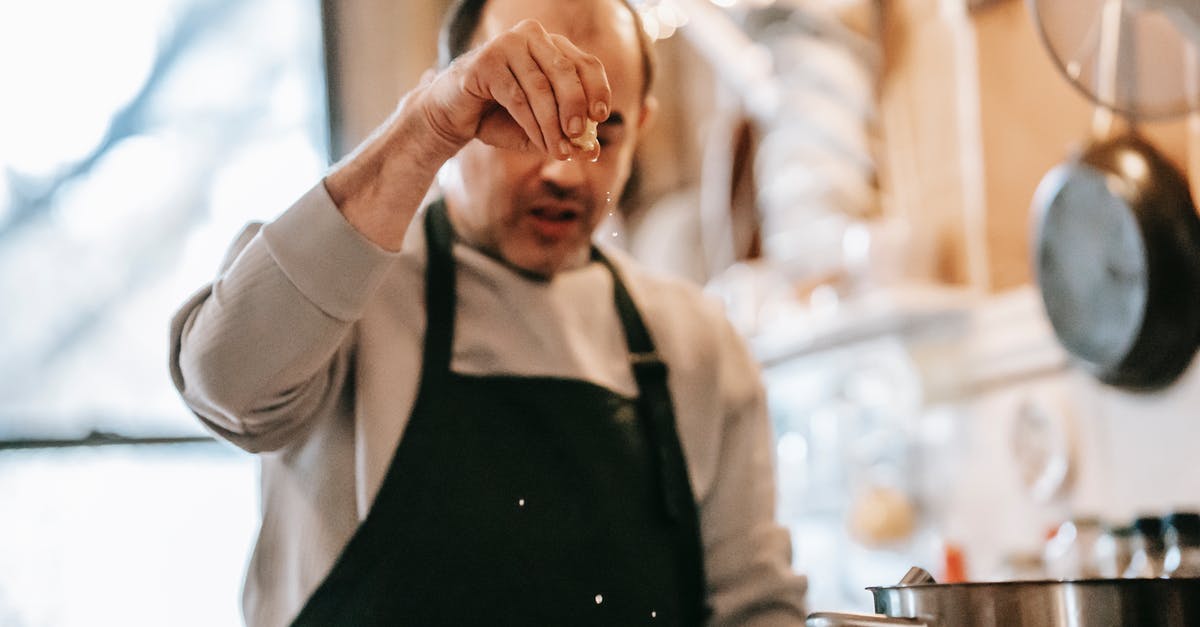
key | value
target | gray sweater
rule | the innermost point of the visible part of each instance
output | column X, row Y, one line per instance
column 306, row 350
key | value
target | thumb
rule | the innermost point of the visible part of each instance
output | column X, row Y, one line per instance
column 498, row 129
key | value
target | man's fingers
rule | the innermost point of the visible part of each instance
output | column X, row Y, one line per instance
column 548, row 87
column 592, row 78
column 540, row 93
column 560, row 68
column 507, row 90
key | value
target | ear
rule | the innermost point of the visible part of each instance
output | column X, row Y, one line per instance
column 649, row 113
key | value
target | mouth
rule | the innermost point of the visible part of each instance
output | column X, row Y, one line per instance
column 555, row 222
column 553, row 214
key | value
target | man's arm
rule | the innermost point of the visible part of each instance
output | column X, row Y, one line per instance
column 267, row 345
column 747, row 552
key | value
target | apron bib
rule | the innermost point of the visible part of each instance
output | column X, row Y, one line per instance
column 518, row 500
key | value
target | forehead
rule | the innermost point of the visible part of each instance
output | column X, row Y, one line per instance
column 604, row 28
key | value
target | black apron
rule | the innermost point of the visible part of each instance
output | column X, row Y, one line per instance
column 517, row 500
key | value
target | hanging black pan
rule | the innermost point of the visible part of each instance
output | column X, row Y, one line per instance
column 1116, row 253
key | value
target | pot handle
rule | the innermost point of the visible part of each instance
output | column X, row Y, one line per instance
column 836, row 619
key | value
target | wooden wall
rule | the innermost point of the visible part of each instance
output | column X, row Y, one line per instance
column 381, row 49
column 974, row 114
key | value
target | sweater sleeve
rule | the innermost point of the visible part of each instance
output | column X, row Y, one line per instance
column 266, row 346
column 747, row 552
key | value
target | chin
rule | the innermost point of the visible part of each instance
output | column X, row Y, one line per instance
column 537, row 266
column 545, row 263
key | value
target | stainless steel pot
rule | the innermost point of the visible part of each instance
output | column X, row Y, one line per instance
column 1080, row 603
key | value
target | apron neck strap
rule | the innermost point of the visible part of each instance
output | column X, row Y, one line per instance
column 440, row 295
column 637, row 338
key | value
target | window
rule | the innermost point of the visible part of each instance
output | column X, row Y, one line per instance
column 136, row 138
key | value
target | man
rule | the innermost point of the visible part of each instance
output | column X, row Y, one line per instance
column 468, row 414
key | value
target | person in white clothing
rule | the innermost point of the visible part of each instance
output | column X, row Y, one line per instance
column 467, row 413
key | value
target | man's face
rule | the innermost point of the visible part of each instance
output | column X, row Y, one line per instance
column 533, row 211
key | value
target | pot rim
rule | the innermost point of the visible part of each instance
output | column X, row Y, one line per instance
column 1163, row 581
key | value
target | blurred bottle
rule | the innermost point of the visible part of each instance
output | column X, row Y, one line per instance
column 1068, row 554
column 1182, row 539
column 1113, row 551
column 954, row 564
column 1149, row 550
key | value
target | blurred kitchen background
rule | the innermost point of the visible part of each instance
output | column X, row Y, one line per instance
column 854, row 178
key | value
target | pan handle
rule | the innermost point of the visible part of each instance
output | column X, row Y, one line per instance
column 836, row 619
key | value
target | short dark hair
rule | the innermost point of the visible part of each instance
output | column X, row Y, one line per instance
column 462, row 20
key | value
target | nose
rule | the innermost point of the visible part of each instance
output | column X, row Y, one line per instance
column 568, row 175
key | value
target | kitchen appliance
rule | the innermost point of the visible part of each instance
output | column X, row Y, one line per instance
column 918, row 601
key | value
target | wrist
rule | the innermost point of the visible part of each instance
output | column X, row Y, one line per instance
column 380, row 185
column 427, row 126
column 404, row 145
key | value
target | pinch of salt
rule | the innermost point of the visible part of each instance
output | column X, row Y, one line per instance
column 586, row 141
